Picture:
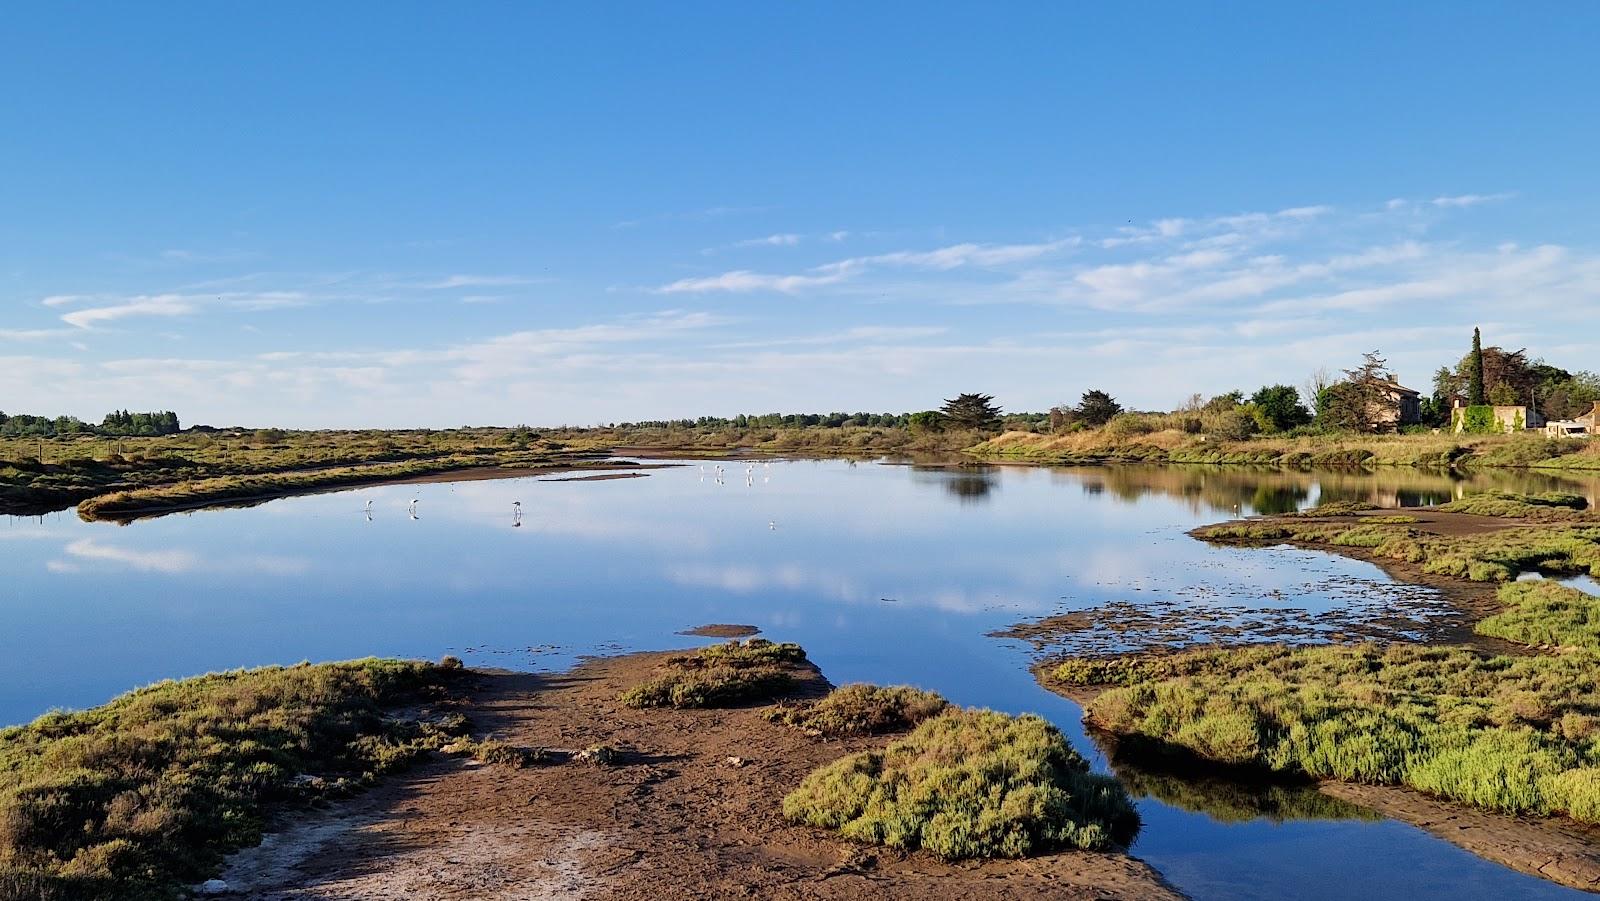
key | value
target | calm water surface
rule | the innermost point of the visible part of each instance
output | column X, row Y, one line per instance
column 886, row 573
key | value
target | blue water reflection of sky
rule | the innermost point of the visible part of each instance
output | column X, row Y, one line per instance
column 884, row 572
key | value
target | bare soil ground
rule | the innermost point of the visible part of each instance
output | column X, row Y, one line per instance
column 692, row 810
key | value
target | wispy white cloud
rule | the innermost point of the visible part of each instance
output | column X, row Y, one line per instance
column 481, row 281
column 939, row 259
column 158, row 305
column 783, row 240
column 743, row 280
column 857, row 335
column 1466, row 200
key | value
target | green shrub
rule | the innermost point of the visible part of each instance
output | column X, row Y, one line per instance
column 1476, row 420
column 721, row 675
column 1128, row 425
column 1546, row 507
column 1337, row 508
column 862, row 710
column 969, row 783
column 517, row 757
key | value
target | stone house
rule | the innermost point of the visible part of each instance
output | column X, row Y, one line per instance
column 1400, row 406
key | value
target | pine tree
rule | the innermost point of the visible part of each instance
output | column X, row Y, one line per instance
column 971, row 411
column 1476, row 396
column 1096, row 407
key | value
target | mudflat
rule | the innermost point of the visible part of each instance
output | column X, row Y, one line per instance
column 690, row 808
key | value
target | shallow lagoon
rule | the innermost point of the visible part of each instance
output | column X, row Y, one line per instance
column 886, row 573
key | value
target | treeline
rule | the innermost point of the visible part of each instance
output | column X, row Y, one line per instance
column 116, row 423
column 813, row 420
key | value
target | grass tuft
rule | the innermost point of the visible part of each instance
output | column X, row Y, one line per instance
column 1539, row 507
column 862, row 710
column 969, row 784
column 499, row 753
column 721, row 675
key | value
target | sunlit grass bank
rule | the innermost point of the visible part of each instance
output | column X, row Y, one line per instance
column 1545, row 614
column 969, row 783
column 861, row 709
column 1495, row 556
column 136, row 797
column 36, row 475
column 232, row 488
column 1159, row 439
column 1547, row 507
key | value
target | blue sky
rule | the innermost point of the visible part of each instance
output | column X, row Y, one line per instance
column 392, row 214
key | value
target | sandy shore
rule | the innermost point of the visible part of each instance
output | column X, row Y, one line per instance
column 692, row 810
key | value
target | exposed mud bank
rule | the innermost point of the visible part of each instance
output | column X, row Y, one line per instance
column 689, row 809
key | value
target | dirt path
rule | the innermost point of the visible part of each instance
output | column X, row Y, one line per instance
column 679, row 817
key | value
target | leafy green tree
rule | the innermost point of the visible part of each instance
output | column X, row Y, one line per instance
column 972, row 411
column 1222, row 403
column 1278, row 408
column 925, row 421
column 1235, row 425
column 1096, row 407
column 1355, row 403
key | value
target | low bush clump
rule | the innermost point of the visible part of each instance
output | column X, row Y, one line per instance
column 146, row 793
column 862, row 710
column 499, row 753
column 1131, row 668
column 1337, row 508
column 721, row 675
column 969, row 783
column 1545, row 613
column 1512, row 734
column 1539, row 507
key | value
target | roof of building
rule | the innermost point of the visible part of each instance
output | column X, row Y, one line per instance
column 1393, row 385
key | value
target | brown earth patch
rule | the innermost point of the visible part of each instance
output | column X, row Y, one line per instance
column 692, row 809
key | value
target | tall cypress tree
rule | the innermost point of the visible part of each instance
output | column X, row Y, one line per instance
column 1475, row 391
